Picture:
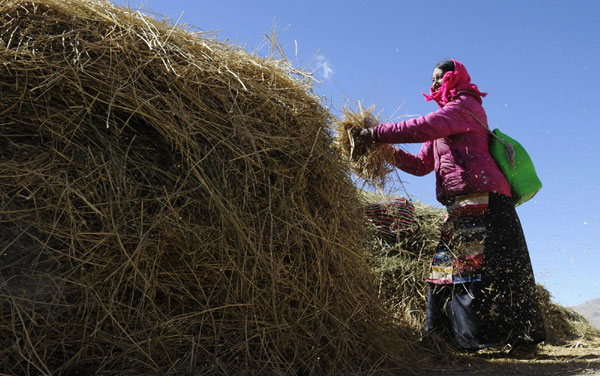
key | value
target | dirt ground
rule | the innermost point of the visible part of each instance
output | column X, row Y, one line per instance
column 575, row 358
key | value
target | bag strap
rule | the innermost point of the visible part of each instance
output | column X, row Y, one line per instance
column 509, row 150
column 487, row 128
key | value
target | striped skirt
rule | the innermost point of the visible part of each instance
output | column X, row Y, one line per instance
column 481, row 285
column 459, row 255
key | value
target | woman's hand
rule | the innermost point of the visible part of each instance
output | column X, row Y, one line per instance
column 362, row 140
column 365, row 137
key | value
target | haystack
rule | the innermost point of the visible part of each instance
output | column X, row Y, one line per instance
column 172, row 205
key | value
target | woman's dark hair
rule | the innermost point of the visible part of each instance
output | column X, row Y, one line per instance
column 446, row 66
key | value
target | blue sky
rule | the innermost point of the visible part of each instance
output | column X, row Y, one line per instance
column 539, row 62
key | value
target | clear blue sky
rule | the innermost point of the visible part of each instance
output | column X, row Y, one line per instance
column 539, row 61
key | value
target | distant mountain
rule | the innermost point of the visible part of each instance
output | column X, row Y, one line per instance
column 590, row 310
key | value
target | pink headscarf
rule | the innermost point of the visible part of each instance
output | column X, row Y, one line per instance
column 452, row 83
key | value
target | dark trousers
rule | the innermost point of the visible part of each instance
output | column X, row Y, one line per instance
column 451, row 312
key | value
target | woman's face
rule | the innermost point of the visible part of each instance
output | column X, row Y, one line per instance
column 436, row 79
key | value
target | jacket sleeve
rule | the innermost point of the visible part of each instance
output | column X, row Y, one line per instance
column 419, row 164
column 449, row 120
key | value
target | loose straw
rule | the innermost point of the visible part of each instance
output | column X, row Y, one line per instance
column 369, row 163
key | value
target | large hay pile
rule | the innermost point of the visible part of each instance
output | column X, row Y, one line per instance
column 170, row 204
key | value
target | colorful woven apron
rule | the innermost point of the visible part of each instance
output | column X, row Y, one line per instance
column 459, row 256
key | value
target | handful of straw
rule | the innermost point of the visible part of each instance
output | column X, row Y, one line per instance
column 367, row 163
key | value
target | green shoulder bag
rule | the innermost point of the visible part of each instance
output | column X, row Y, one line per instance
column 515, row 163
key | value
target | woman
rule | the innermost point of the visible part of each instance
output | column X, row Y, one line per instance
column 481, row 289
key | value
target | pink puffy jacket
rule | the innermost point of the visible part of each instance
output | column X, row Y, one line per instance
column 455, row 146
